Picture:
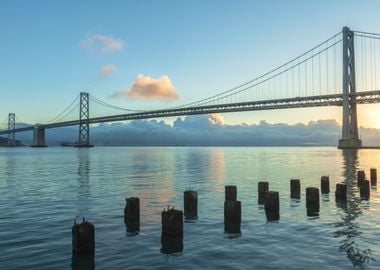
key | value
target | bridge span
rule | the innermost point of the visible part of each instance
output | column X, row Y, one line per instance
column 284, row 87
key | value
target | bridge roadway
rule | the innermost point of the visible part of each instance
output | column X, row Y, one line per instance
column 366, row 97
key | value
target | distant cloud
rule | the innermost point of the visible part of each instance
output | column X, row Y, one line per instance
column 145, row 87
column 205, row 130
column 102, row 43
column 107, row 70
column 216, row 119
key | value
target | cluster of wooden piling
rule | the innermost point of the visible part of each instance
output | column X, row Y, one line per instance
column 232, row 210
column 83, row 235
column 270, row 199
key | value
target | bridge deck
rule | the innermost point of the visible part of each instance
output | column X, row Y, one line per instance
column 366, row 97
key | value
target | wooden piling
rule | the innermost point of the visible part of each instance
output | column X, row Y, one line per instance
column 373, row 172
column 364, row 190
column 312, row 200
column 325, row 185
column 172, row 222
column 170, row 244
column 83, row 262
column 341, row 192
column 295, row 189
column 230, row 193
column 132, row 209
column 133, row 226
column 360, row 177
column 263, row 188
column 83, row 238
column 272, row 206
column 232, row 216
column 190, row 201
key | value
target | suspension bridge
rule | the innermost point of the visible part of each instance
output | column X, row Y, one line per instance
column 341, row 71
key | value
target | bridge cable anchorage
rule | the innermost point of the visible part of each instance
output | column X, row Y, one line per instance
column 108, row 105
column 64, row 111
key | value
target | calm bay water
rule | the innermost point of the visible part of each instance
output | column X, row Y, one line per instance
column 43, row 190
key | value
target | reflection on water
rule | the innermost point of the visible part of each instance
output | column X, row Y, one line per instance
column 348, row 229
column 151, row 179
column 10, row 169
column 41, row 192
column 84, row 181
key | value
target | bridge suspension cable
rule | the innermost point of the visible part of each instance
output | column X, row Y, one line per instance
column 367, row 58
column 65, row 112
column 110, row 106
column 4, row 124
column 303, row 75
column 22, row 123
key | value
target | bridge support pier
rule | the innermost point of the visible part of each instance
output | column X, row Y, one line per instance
column 38, row 137
column 350, row 134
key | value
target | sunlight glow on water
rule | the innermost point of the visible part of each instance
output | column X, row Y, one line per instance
column 43, row 190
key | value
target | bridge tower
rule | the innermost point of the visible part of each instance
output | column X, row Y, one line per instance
column 11, row 127
column 350, row 135
column 84, row 126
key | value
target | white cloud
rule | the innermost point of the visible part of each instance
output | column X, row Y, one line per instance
column 145, row 87
column 103, row 43
column 107, row 70
column 202, row 130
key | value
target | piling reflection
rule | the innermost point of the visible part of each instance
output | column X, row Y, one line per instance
column 348, row 230
column 83, row 172
column 10, row 169
column 83, row 179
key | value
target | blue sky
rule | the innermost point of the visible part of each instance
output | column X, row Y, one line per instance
column 203, row 47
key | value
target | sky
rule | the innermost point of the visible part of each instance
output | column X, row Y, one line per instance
column 156, row 54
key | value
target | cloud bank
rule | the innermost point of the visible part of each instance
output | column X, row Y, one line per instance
column 205, row 130
column 102, row 43
column 147, row 88
column 106, row 70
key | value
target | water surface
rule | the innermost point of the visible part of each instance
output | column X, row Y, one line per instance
column 42, row 191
